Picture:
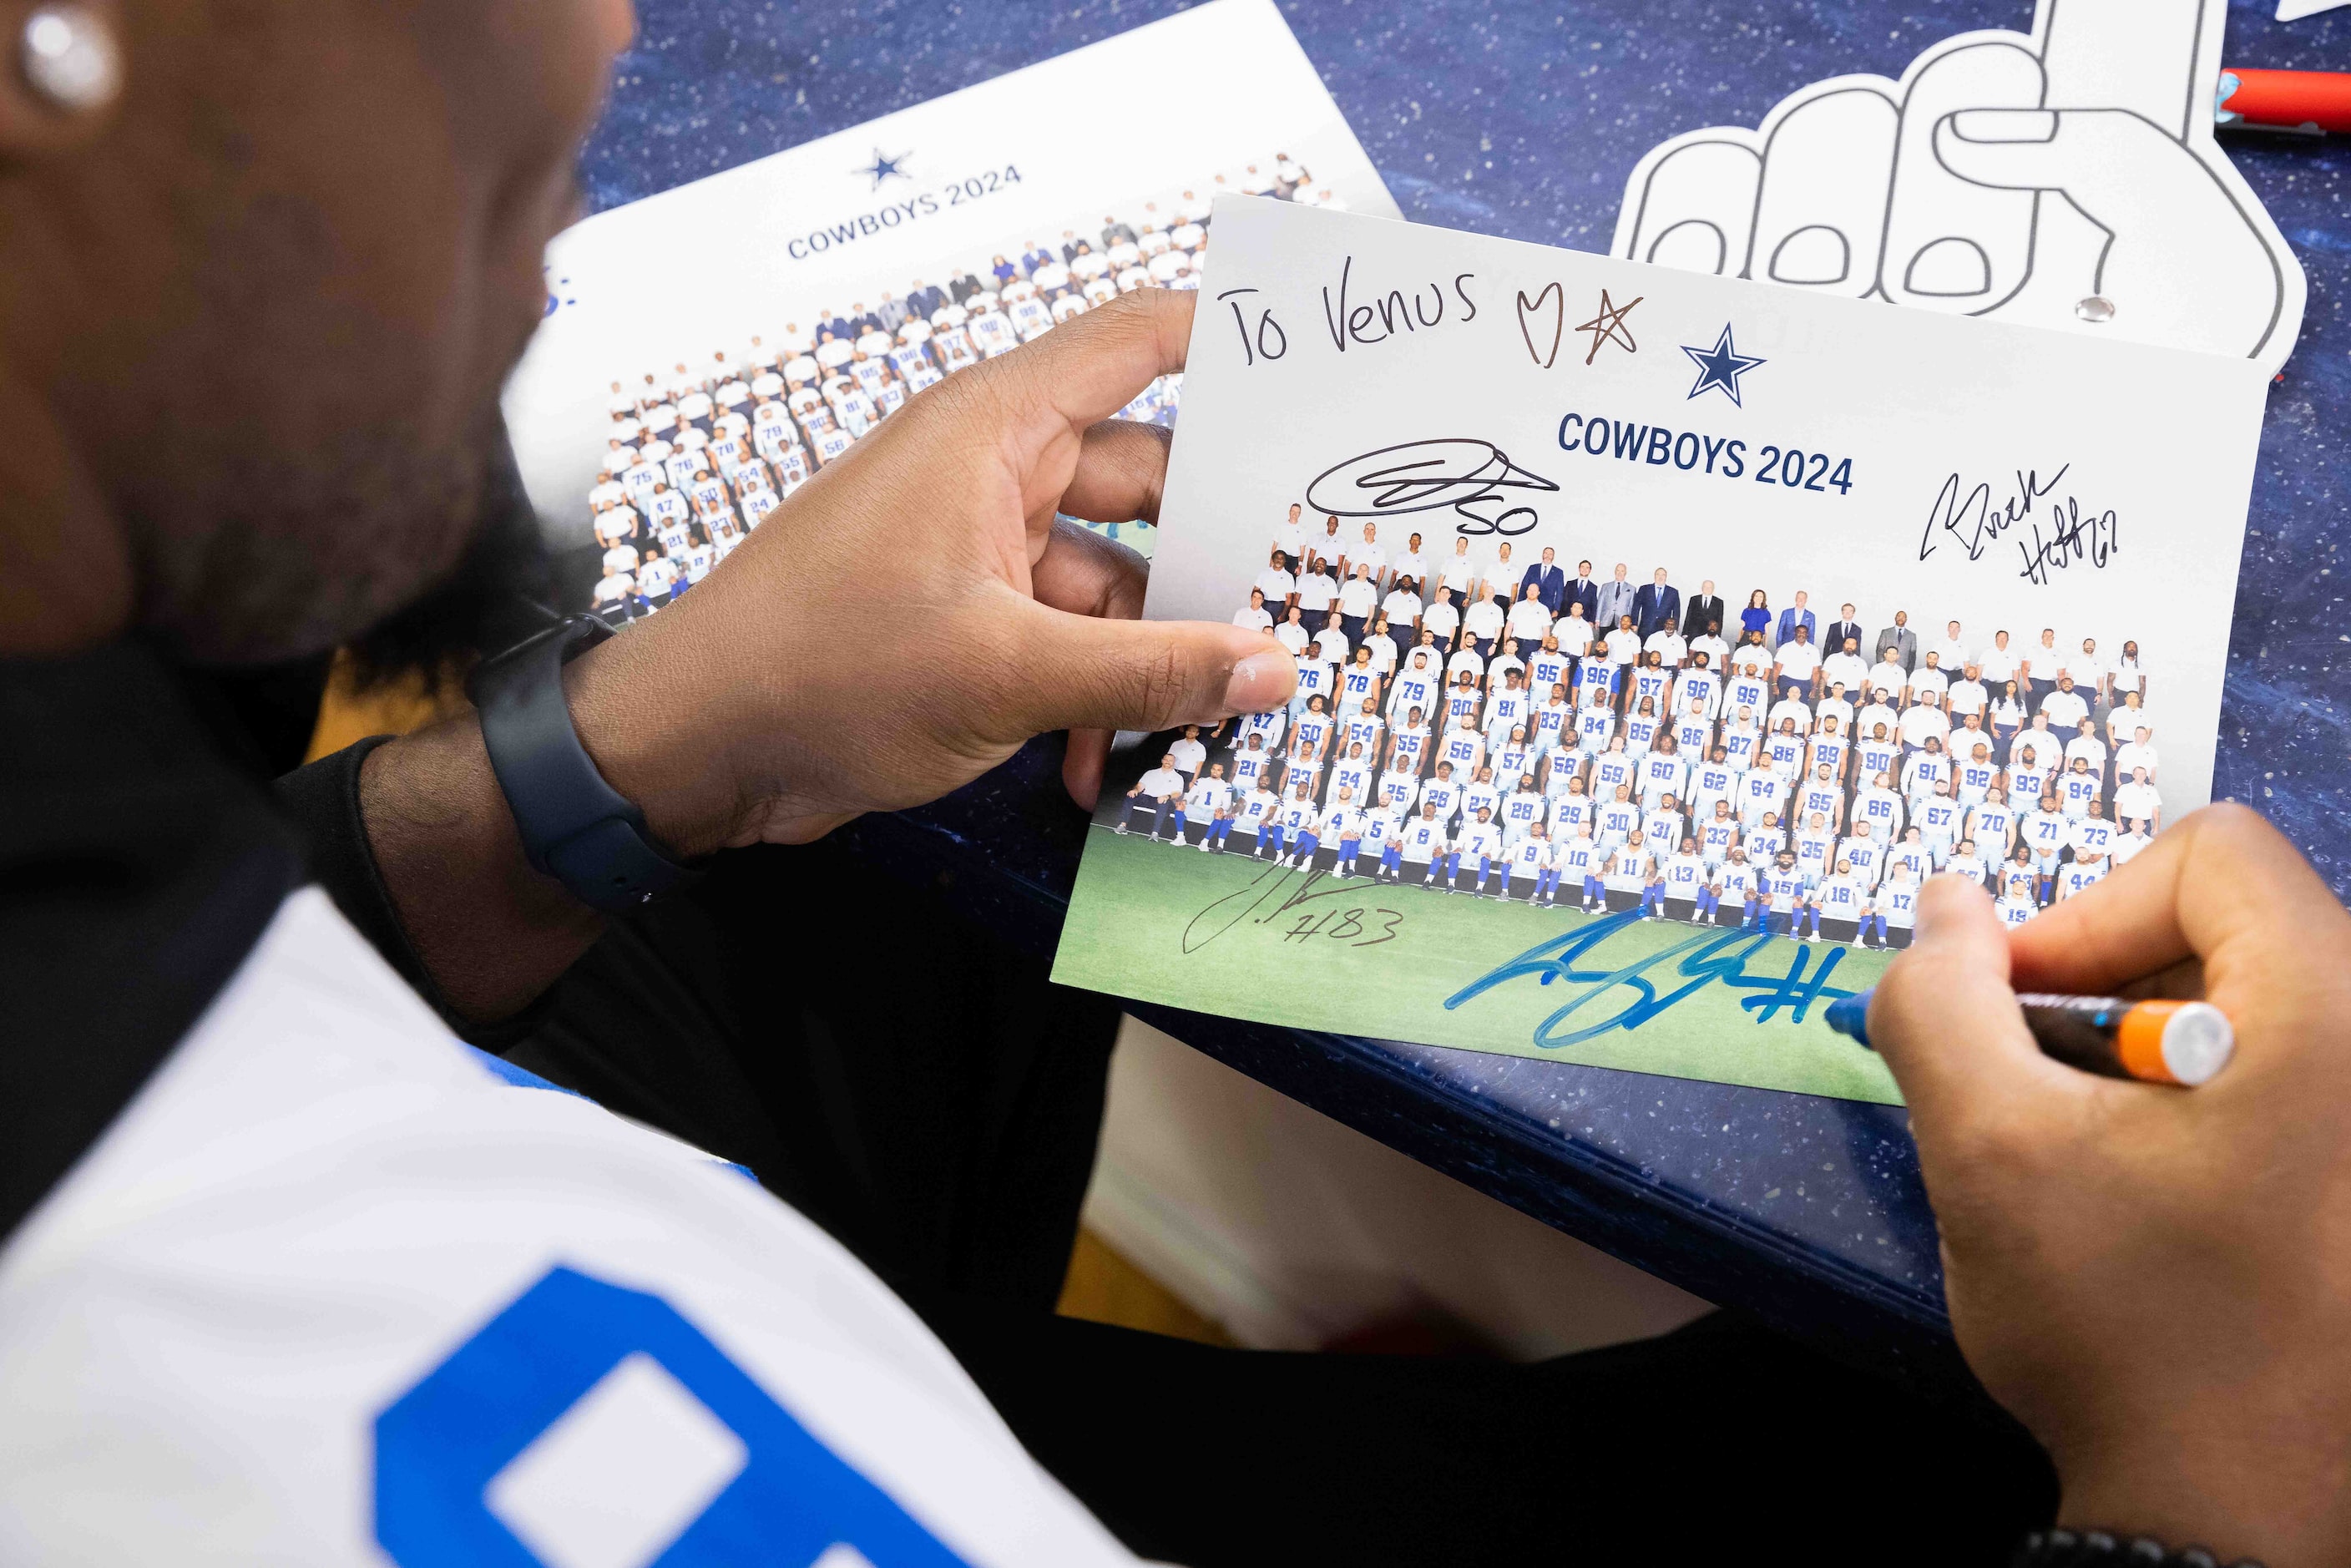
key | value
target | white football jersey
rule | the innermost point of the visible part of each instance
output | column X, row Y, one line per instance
column 336, row 1289
column 1841, row 898
column 1422, row 840
column 1576, row 857
column 1207, row 797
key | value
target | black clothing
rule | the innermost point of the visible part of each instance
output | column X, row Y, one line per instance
column 917, row 1084
column 1699, row 613
column 137, row 869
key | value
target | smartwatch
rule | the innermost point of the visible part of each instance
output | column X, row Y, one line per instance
column 575, row 827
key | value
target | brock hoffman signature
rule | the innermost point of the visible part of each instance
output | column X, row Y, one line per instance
column 2055, row 537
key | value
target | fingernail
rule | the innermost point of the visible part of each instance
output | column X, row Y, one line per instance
column 2004, row 125
column 1260, row 681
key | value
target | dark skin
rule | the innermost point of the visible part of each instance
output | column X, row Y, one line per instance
column 253, row 323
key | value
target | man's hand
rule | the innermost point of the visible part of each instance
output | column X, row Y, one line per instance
column 2156, row 1280
column 897, row 628
column 914, row 614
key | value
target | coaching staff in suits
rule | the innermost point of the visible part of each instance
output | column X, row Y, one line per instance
column 1656, row 603
column 1898, row 641
column 1701, row 611
column 1546, row 578
column 1843, row 628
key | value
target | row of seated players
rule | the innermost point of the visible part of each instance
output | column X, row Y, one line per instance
column 1640, row 666
column 1673, row 742
column 1611, row 859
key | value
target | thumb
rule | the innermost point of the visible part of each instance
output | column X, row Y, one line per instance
column 1082, row 672
column 2186, row 266
column 2141, row 184
column 1947, row 1022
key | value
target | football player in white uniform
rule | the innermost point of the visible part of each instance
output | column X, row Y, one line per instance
column 1684, row 880
column 1897, row 903
column 1207, row 805
column 1342, row 827
column 1734, row 883
column 1529, row 860
column 1577, row 862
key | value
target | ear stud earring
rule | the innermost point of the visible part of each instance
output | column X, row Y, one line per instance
column 69, row 59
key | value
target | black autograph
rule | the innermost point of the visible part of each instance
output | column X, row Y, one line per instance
column 2076, row 538
column 1358, row 928
column 1971, row 520
column 1716, row 958
column 1451, row 472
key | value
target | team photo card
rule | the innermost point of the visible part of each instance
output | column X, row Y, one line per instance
column 706, row 349
column 1658, row 635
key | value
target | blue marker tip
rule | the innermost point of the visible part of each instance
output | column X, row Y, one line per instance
column 1850, row 1016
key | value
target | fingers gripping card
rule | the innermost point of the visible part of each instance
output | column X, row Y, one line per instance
column 1657, row 636
column 2068, row 178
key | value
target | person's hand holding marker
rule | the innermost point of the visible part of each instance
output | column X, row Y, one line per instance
column 2157, row 1282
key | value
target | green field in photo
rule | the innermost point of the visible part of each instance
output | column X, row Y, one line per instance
column 1224, row 934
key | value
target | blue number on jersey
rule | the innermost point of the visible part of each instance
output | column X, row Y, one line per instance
column 440, row 1445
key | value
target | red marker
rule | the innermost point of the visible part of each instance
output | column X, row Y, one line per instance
column 2298, row 103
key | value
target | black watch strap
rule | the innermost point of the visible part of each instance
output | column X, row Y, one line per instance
column 575, row 827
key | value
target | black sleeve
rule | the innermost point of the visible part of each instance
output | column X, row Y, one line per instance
column 323, row 799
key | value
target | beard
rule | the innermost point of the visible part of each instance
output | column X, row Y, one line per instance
column 501, row 587
column 415, row 562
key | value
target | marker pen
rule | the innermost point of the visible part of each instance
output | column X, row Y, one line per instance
column 2292, row 103
column 2182, row 1043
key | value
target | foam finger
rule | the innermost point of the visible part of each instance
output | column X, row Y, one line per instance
column 1950, row 245
column 2158, row 58
column 1828, row 171
column 1690, row 204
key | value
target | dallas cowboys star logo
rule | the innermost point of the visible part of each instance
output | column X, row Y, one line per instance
column 1721, row 366
column 884, row 166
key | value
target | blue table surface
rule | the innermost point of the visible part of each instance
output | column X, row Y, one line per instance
column 1809, row 1212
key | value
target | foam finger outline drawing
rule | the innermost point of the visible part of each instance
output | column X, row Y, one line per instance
column 1873, row 188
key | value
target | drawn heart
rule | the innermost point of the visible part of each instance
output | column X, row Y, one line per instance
column 1558, row 322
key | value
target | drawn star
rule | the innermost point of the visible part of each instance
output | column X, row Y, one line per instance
column 1608, row 326
column 884, row 166
column 1721, row 366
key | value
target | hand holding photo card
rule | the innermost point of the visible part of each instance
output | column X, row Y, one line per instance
column 1657, row 635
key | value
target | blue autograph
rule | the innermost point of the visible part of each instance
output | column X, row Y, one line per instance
column 1707, row 959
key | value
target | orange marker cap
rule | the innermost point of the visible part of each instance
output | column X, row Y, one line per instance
column 2174, row 1042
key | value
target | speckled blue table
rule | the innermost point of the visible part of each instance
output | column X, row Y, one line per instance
column 1808, row 1212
